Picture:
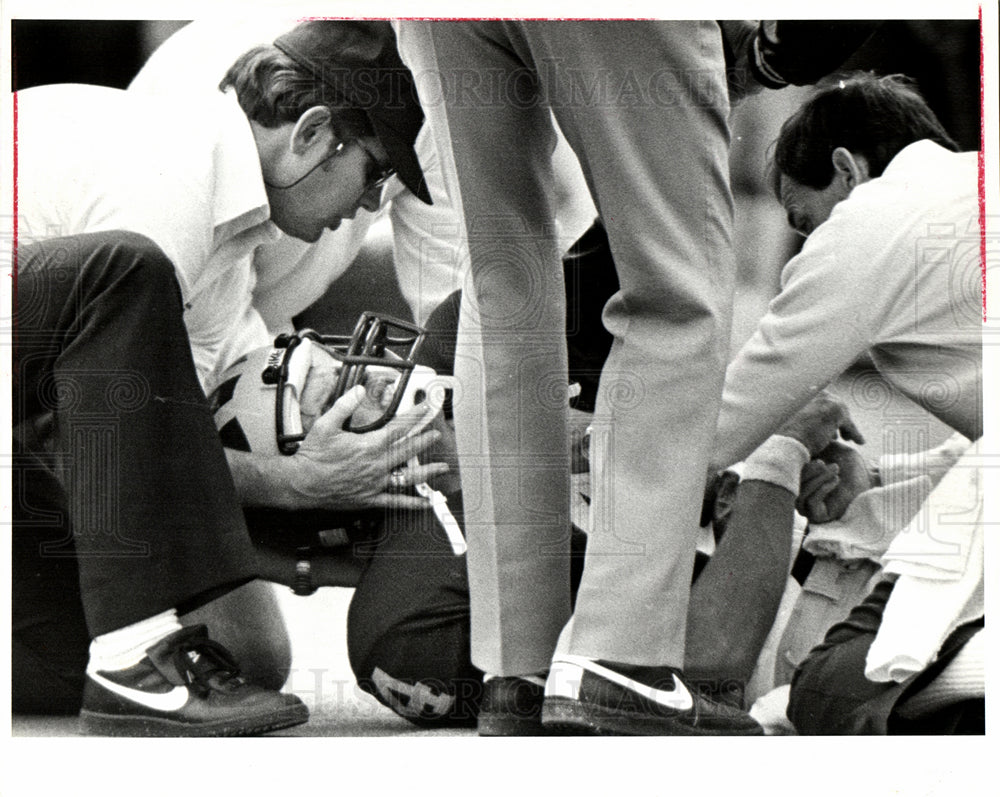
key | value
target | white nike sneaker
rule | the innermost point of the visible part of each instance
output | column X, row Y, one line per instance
column 585, row 695
column 186, row 685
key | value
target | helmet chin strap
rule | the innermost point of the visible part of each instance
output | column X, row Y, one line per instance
column 298, row 372
column 438, row 502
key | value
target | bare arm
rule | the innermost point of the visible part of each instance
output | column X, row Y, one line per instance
column 735, row 600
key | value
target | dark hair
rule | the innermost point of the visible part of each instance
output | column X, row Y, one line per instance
column 273, row 90
column 872, row 116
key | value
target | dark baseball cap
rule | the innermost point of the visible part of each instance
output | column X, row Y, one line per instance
column 359, row 64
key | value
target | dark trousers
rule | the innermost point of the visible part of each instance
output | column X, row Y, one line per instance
column 408, row 622
column 123, row 504
column 830, row 694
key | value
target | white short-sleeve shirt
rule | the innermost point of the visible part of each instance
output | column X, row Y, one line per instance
column 185, row 174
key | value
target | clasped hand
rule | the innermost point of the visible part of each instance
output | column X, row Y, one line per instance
column 837, row 473
column 338, row 469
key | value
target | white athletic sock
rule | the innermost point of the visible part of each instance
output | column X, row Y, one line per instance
column 532, row 677
column 126, row 646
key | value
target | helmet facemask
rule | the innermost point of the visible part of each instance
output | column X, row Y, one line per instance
column 266, row 401
column 379, row 355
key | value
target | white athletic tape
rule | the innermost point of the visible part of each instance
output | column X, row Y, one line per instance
column 441, row 511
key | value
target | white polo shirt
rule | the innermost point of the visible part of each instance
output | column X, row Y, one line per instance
column 894, row 274
column 185, row 174
column 431, row 257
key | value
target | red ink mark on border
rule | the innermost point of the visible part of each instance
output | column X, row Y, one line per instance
column 481, row 19
column 982, row 163
column 13, row 259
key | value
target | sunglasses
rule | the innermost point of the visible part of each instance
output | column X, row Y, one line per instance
column 378, row 172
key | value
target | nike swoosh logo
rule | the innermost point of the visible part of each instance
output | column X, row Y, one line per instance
column 678, row 699
column 173, row 700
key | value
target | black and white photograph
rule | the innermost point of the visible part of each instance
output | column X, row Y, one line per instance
column 447, row 373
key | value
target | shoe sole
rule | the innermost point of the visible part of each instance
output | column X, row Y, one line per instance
column 507, row 725
column 568, row 716
column 94, row 723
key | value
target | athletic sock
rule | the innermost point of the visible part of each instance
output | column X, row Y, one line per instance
column 532, row 677
column 126, row 646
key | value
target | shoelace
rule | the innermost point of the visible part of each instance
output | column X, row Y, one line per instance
column 206, row 665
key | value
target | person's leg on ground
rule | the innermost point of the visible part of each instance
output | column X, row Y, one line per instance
column 408, row 624
column 831, row 695
column 153, row 516
column 735, row 599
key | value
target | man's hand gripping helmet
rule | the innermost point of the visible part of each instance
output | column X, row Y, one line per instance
column 258, row 403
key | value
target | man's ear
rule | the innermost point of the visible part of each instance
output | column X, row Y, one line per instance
column 849, row 169
column 312, row 129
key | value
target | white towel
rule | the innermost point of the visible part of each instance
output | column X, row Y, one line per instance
column 870, row 523
column 934, row 462
column 939, row 559
column 938, row 541
column 876, row 516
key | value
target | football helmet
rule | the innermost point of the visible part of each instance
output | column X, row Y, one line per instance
column 257, row 403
